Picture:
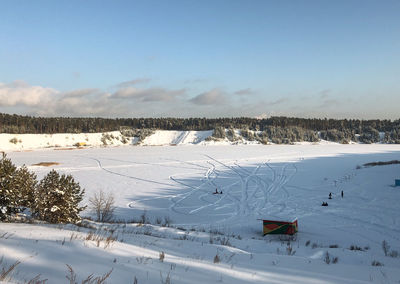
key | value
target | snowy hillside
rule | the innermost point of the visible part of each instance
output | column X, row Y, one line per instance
column 164, row 137
column 179, row 231
column 20, row 142
column 23, row 142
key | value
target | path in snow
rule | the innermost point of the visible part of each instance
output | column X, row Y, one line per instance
column 245, row 191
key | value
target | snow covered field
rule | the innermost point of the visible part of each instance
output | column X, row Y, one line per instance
column 167, row 184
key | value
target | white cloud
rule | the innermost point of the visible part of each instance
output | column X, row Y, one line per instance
column 148, row 95
column 20, row 93
column 214, row 96
column 80, row 92
column 244, row 92
column 133, row 82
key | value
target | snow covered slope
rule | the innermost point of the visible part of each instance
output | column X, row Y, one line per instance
column 20, row 142
column 164, row 137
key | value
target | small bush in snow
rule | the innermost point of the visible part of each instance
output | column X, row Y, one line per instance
column 376, row 263
column 387, row 251
column 385, row 247
column 327, row 258
column 103, row 206
column 289, row 249
column 14, row 140
column 161, row 256
column 143, row 218
column 105, row 138
column 354, row 247
column 219, row 132
column 167, row 279
column 217, row 259
column 89, row 280
column 167, row 221
column 5, row 272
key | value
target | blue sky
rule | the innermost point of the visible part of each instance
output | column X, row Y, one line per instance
column 337, row 59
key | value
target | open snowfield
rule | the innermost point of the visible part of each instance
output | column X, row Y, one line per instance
column 257, row 181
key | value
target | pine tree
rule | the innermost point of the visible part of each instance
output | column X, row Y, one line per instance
column 7, row 191
column 57, row 199
column 25, row 184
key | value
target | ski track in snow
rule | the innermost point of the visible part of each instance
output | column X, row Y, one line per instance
column 267, row 196
column 246, row 191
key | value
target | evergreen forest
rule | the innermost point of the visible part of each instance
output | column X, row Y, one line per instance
column 273, row 129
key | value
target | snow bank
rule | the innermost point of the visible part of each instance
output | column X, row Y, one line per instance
column 165, row 137
column 20, row 142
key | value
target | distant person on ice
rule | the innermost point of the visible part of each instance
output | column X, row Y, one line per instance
column 342, row 193
column 330, row 195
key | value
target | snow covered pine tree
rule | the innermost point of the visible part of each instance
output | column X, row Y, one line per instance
column 7, row 171
column 57, row 199
column 16, row 188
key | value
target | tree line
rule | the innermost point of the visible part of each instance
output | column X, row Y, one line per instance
column 330, row 129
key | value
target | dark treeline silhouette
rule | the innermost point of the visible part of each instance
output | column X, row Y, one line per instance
column 341, row 130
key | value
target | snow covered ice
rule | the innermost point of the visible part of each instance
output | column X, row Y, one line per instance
column 256, row 181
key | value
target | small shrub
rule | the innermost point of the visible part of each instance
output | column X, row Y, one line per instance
column 335, row 259
column 333, row 246
column 308, row 243
column 327, row 258
column 219, row 132
column 167, row 279
column 5, row 272
column 89, row 280
column 289, row 249
column 376, row 263
column 161, row 256
column 217, row 259
column 167, row 221
column 14, row 140
column 225, row 241
column 394, row 253
column 143, row 218
column 385, row 247
column 354, row 247
column 103, row 206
